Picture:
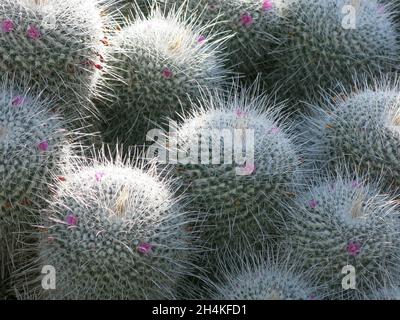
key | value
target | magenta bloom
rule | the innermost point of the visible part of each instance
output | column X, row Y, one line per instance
column 144, row 247
column 17, row 101
column 246, row 20
column 313, row 203
column 353, row 248
column 274, row 130
column 43, row 146
column 33, row 33
column 356, row 185
column 7, row 26
column 201, row 39
column 267, row 5
column 167, row 73
column 99, row 176
column 71, row 220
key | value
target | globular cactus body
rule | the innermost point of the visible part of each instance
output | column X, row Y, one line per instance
column 343, row 223
column 322, row 42
column 158, row 64
column 237, row 191
column 360, row 129
column 115, row 232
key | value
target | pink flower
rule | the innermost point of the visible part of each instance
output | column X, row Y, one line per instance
column 33, row 33
column 17, row 101
column 71, row 220
column 246, row 20
column 144, row 247
column 7, row 26
column 274, row 130
column 240, row 113
column 353, row 248
column 201, row 39
column 99, row 176
column 313, row 203
column 43, row 146
column 356, row 185
column 267, row 5
column 167, row 73
column 381, row 8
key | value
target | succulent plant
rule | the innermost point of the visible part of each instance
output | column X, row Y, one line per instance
column 158, row 65
column 115, row 231
column 322, row 42
column 33, row 146
column 58, row 45
column 359, row 128
column 246, row 164
column 339, row 223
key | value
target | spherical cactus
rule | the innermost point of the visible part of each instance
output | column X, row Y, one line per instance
column 345, row 227
column 33, row 147
column 322, row 42
column 158, row 64
column 247, row 162
column 115, row 231
column 360, row 129
column 57, row 45
column 260, row 278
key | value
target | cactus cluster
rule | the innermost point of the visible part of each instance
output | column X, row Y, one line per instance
column 115, row 231
column 236, row 158
column 323, row 42
column 266, row 137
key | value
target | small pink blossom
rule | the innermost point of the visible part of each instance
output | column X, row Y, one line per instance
column 99, row 176
column 381, row 8
column 17, row 101
column 43, row 146
column 7, row 26
column 274, row 130
column 33, row 33
column 267, row 5
column 201, row 39
column 353, row 248
column 167, row 73
column 246, row 20
column 144, row 247
column 313, row 203
column 71, row 220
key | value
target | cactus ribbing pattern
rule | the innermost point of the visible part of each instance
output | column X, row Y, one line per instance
column 322, row 42
column 115, row 231
column 342, row 222
column 260, row 278
column 158, row 64
column 57, row 45
column 232, row 189
column 359, row 128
